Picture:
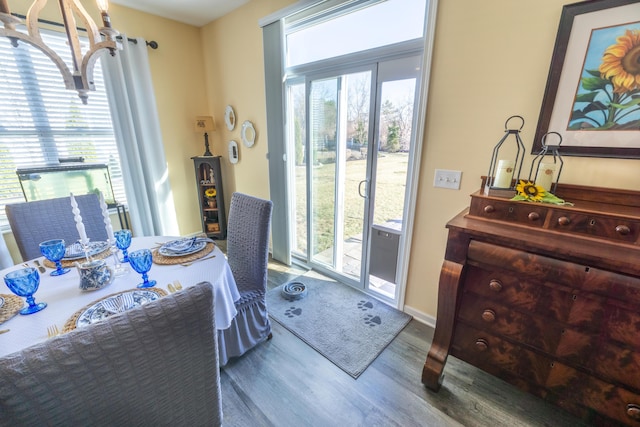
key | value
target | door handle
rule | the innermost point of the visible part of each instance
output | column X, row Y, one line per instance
column 364, row 196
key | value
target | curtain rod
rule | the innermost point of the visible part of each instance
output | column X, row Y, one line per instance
column 152, row 44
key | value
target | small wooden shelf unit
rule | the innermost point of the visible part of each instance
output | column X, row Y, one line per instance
column 212, row 210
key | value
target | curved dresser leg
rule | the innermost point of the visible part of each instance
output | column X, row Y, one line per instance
column 432, row 372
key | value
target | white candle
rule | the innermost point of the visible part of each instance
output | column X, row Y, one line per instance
column 79, row 225
column 107, row 219
column 544, row 177
column 504, row 174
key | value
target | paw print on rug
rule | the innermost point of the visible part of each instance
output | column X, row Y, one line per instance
column 372, row 320
column 365, row 305
column 292, row 312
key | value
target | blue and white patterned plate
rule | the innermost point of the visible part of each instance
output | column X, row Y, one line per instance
column 75, row 251
column 99, row 310
column 1, row 302
column 178, row 247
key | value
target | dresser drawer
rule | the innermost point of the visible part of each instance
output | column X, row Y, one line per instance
column 487, row 315
column 499, row 357
column 613, row 228
column 526, row 266
column 570, row 386
column 528, row 214
column 525, row 294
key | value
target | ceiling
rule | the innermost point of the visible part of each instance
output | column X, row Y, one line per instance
column 193, row 12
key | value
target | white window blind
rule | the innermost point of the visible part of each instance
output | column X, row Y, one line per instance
column 41, row 121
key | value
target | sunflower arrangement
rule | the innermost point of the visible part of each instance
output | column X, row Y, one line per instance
column 210, row 193
column 530, row 192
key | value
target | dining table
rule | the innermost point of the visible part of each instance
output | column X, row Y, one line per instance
column 65, row 299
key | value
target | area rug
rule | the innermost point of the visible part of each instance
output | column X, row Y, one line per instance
column 343, row 324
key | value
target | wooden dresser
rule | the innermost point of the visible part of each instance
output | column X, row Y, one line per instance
column 547, row 298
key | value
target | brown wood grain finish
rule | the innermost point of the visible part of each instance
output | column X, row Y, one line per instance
column 549, row 299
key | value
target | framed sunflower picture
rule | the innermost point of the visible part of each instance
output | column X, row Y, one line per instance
column 592, row 98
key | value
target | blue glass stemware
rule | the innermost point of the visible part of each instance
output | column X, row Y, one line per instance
column 54, row 250
column 141, row 261
column 24, row 283
column 123, row 241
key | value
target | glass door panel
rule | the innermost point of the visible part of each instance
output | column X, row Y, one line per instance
column 339, row 109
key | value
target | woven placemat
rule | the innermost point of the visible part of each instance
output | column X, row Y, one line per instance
column 172, row 260
column 12, row 305
column 70, row 324
column 72, row 262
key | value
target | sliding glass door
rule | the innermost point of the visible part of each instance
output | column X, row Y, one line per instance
column 348, row 183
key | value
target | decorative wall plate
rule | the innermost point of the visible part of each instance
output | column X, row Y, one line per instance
column 248, row 134
column 230, row 117
column 234, row 155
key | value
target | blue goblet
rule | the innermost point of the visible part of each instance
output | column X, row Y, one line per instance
column 24, row 283
column 123, row 241
column 54, row 250
column 141, row 261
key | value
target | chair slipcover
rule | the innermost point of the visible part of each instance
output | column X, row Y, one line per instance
column 35, row 222
column 153, row 365
column 248, row 254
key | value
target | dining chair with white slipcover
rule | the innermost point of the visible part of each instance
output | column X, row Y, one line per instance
column 152, row 365
column 40, row 220
column 248, row 255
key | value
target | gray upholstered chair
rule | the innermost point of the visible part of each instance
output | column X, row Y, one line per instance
column 150, row 366
column 35, row 222
column 248, row 254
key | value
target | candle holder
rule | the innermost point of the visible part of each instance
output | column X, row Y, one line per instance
column 506, row 162
column 544, row 171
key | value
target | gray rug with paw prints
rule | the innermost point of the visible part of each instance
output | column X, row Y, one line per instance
column 343, row 324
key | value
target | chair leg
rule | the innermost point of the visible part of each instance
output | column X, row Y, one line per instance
column 269, row 336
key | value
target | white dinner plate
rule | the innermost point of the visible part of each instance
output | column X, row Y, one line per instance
column 75, row 250
column 168, row 249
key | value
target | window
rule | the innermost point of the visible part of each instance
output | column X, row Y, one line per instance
column 41, row 121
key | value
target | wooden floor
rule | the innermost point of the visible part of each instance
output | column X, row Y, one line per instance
column 284, row 382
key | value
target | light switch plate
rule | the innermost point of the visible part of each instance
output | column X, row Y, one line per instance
column 447, row 179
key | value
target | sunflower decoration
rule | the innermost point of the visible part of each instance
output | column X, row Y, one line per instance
column 621, row 62
column 530, row 192
column 210, row 193
column 607, row 98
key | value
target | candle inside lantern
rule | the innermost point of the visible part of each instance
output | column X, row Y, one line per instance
column 544, row 177
column 504, row 174
column 107, row 219
column 78, row 219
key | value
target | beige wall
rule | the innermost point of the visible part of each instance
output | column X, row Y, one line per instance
column 178, row 77
column 491, row 60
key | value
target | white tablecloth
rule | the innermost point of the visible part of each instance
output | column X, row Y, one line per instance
column 64, row 298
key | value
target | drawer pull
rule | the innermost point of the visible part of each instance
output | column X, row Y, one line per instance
column 495, row 285
column 533, row 216
column 482, row 344
column 489, row 315
column 623, row 230
column 563, row 220
column 489, row 209
column 633, row 411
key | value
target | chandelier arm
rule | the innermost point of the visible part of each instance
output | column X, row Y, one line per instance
column 89, row 60
column 67, row 76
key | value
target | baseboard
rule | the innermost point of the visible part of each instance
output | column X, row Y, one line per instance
column 420, row 316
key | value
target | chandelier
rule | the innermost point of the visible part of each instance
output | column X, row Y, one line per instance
column 81, row 77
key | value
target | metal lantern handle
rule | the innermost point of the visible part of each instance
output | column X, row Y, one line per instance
column 506, row 124
column 544, row 139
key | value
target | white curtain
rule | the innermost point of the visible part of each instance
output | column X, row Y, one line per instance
column 137, row 129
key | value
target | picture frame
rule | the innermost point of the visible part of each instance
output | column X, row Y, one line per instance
column 596, row 114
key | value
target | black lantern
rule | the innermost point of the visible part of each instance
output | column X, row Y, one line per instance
column 506, row 162
column 545, row 171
